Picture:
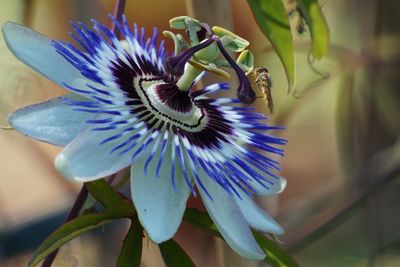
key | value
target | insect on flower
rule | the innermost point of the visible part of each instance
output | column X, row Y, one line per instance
column 263, row 82
column 133, row 106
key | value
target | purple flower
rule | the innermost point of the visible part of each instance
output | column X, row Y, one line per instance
column 124, row 109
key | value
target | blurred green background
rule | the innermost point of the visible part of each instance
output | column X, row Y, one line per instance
column 342, row 162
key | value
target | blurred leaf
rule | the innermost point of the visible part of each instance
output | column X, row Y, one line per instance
column 273, row 20
column 312, row 14
column 276, row 255
column 347, row 126
column 109, row 198
column 69, row 231
column 174, row 256
column 131, row 251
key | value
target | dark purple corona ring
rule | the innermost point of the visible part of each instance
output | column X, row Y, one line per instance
column 125, row 109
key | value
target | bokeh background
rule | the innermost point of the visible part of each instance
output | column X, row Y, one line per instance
column 342, row 162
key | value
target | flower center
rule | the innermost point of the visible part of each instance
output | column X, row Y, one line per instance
column 166, row 102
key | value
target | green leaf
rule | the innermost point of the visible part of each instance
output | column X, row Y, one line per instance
column 276, row 255
column 131, row 251
column 200, row 219
column 273, row 20
column 116, row 207
column 109, row 198
column 69, row 231
column 313, row 16
column 174, row 256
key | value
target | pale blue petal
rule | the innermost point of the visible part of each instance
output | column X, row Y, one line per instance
column 279, row 184
column 86, row 159
column 159, row 207
column 230, row 221
column 36, row 51
column 52, row 121
column 257, row 217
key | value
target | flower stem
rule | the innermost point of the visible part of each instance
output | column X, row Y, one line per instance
column 118, row 12
column 186, row 80
column 73, row 213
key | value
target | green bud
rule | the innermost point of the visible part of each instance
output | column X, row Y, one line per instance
column 180, row 23
column 177, row 42
column 210, row 68
column 208, row 54
column 234, row 43
column 246, row 61
column 220, row 62
column 182, row 41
